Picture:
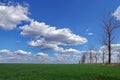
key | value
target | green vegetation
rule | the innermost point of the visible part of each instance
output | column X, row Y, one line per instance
column 58, row 72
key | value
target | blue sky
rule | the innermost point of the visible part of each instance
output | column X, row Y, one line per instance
column 79, row 18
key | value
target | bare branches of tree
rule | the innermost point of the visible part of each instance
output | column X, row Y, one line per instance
column 109, row 26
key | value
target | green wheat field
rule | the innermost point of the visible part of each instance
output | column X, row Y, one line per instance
column 59, row 72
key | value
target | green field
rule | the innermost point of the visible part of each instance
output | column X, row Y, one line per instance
column 58, row 72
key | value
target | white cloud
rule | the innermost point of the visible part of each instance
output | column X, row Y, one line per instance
column 52, row 47
column 117, row 13
column 44, row 45
column 66, row 57
column 5, row 51
column 90, row 34
column 115, row 50
column 70, row 51
column 21, row 52
column 50, row 38
column 42, row 54
column 21, row 56
column 12, row 15
column 51, row 34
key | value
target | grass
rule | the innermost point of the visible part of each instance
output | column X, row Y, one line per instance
column 58, row 72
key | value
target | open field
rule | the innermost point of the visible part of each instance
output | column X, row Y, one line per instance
column 58, row 72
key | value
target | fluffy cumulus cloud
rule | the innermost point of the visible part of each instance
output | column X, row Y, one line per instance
column 51, row 38
column 18, row 52
column 5, row 51
column 70, row 51
column 21, row 52
column 12, row 15
column 44, row 46
column 51, row 34
column 52, row 47
column 42, row 54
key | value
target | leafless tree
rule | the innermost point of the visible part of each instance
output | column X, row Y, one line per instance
column 103, row 51
column 96, row 56
column 109, row 25
column 103, row 56
column 83, row 58
column 91, row 53
column 87, row 58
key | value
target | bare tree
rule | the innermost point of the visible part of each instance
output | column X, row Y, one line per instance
column 103, row 56
column 91, row 53
column 83, row 58
column 87, row 58
column 103, row 51
column 96, row 56
column 109, row 25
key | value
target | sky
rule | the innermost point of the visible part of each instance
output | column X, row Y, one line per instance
column 51, row 31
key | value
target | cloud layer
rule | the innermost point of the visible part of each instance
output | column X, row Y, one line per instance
column 21, row 56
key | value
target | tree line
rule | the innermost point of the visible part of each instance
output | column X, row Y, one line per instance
column 109, row 26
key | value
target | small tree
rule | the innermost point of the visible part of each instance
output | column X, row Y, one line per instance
column 91, row 53
column 103, row 51
column 96, row 56
column 103, row 57
column 83, row 58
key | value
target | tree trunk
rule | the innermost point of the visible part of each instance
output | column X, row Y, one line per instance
column 109, row 58
column 109, row 49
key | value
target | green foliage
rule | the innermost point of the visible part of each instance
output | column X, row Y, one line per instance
column 58, row 72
